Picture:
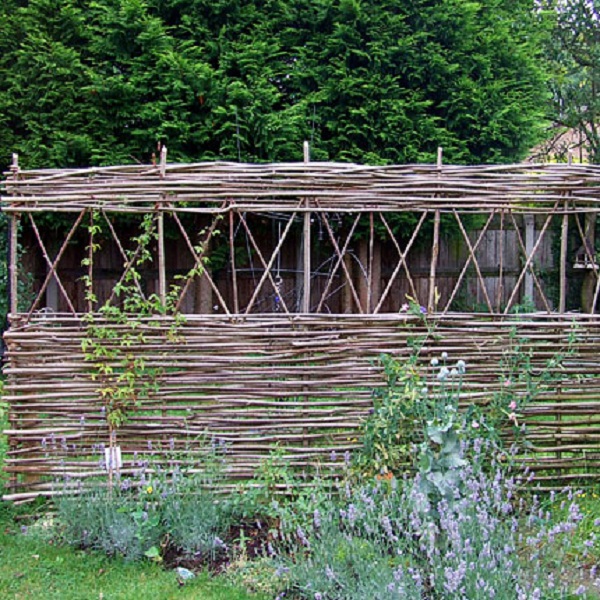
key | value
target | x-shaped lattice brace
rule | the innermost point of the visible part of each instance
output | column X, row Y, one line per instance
column 199, row 258
column 268, row 266
column 402, row 254
column 52, row 264
column 472, row 258
column 339, row 262
column 129, row 260
column 528, row 266
column 589, row 258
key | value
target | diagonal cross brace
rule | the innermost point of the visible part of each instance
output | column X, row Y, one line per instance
column 402, row 262
column 472, row 250
column 267, row 267
column 529, row 260
column 198, row 259
column 53, row 264
column 338, row 262
column 341, row 254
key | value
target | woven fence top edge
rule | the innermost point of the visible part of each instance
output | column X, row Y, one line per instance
column 300, row 186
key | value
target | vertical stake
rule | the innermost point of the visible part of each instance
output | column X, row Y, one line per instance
column 435, row 249
column 306, row 272
column 90, row 290
column 163, row 162
column 236, row 300
column 529, row 246
column 306, row 238
column 162, row 275
column 370, row 282
column 500, row 289
column 13, row 251
column 564, row 240
column 13, row 247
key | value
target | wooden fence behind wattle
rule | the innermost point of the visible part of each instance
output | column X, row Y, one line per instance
column 298, row 370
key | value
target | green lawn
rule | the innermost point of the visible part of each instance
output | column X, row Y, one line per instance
column 31, row 568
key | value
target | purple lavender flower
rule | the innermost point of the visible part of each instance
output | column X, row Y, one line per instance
column 387, row 527
column 352, row 514
column 281, row 570
column 317, row 519
column 302, row 537
column 219, row 543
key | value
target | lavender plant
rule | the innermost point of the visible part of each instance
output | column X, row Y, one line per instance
column 453, row 527
column 196, row 520
column 160, row 504
column 377, row 541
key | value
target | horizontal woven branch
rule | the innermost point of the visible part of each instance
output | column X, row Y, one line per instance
column 303, row 383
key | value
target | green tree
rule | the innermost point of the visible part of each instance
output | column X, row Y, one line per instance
column 43, row 108
column 386, row 81
column 574, row 53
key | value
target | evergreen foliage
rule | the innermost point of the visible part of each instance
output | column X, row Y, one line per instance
column 102, row 82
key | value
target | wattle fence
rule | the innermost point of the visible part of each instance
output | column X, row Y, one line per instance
column 296, row 375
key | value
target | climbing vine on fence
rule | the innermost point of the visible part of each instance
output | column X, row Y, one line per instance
column 118, row 333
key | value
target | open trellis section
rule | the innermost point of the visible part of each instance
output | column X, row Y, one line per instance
column 338, row 276
column 351, row 204
column 269, row 367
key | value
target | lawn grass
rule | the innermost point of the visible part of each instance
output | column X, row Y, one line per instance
column 31, row 567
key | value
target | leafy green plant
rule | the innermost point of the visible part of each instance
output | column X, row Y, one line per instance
column 124, row 378
column 407, row 408
column 417, row 413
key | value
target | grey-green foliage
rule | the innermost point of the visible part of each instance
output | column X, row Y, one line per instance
column 368, row 81
column 376, row 541
column 154, row 508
